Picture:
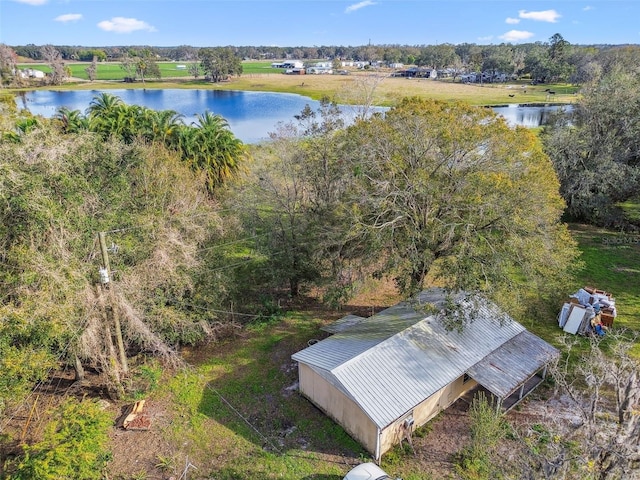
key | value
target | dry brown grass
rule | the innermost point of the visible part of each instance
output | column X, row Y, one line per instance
column 391, row 89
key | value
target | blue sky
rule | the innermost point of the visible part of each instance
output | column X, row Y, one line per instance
column 315, row 22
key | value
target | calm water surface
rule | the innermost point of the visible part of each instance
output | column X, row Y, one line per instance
column 251, row 115
column 527, row 115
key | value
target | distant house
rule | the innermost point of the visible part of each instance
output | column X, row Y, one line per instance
column 295, row 71
column 319, row 70
column 349, row 63
column 288, row 65
column 32, row 73
column 416, row 72
column 382, row 377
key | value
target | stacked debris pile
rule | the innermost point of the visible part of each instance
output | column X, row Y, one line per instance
column 576, row 315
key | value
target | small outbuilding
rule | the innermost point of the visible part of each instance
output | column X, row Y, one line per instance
column 382, row 377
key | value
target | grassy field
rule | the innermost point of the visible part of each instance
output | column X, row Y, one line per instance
column 612, row 263
column 347, row 89
column 113, row 71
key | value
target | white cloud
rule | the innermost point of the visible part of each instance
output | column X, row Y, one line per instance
column 358, row 6
column 125, row 25
column 550, row 16
column 33, row 2
column 69, row 17
column 488, row 38
column 512, row 21
column 587, row 8
column 516, row 36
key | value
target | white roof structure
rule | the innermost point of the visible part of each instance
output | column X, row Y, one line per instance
column 392, row 361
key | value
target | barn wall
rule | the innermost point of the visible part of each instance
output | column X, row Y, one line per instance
column 425, row 411
column 338, row 406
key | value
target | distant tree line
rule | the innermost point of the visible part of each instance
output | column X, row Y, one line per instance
column 553, row 60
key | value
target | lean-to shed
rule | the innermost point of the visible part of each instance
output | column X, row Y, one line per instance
column 382, row 377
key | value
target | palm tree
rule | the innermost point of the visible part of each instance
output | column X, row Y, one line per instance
column 22, row 127
column 103, row 104
column 165, row 125
column 103, row 113
column 213, row 148
column 71, row 121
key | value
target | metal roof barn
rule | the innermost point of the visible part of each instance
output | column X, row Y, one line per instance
column 389, row 363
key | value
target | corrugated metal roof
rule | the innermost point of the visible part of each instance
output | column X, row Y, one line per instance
column 394, row 360
column 505, row 369
column 343, row 324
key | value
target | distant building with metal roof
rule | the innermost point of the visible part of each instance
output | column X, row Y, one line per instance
column 383, row 376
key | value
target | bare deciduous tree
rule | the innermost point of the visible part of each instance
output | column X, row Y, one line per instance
column 53, row 57
column 363, row 94
column 92, row 70
column 604, row 389
column 8, row 66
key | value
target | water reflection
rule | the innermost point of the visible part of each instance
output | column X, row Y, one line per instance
column 528, row 115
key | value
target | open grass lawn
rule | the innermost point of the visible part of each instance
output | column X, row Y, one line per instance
column 612, row 263
column 113, row 71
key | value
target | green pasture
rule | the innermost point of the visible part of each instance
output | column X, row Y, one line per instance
column 113, row 71
column 251, row 68
column 610, row 262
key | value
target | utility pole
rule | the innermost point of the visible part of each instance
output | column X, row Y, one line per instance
column 111, row 311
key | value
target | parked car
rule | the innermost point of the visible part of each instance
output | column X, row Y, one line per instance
column 367, row 471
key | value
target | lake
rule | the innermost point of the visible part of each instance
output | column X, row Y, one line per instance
column 251, row 115
column 528, row 115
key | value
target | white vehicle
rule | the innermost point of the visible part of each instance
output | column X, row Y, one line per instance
column 367, row 471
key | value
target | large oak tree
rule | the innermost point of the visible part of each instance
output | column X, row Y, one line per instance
column 449, row 193
column 431, row 192
column 220, row 63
